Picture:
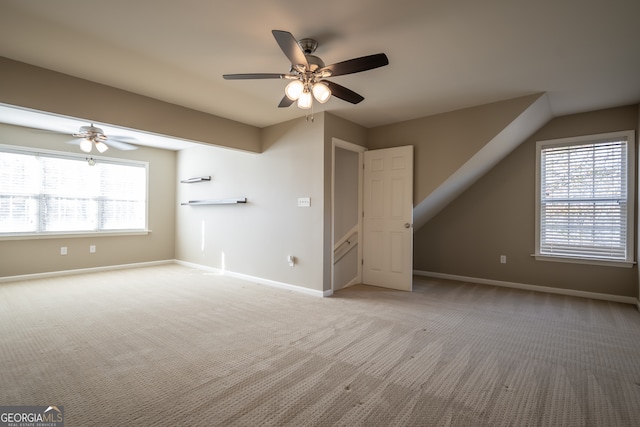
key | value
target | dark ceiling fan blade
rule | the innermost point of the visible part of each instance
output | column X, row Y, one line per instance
column 291, row 48
column 357, row 65
column 343, row 93
column 285, row 102
column 253, row 76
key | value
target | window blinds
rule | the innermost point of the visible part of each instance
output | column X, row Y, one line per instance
column 583, row 200
column 42, row 193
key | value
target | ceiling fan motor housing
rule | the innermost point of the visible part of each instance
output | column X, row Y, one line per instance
column 88, row 130
column 308, row 45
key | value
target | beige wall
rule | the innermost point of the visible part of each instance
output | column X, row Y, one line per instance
column 29, row 256
column 295, row 162
column 45, row 90
column 496, row 217
column 256, row 237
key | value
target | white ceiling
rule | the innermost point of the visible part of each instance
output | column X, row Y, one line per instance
column 444, row 54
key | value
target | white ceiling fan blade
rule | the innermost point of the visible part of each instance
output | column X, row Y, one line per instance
column 75, row 141
column 122, row 138
column 120, row 145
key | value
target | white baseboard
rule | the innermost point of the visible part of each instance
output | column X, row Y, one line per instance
column 537, row 288
column 82, row 271
column 258, row 280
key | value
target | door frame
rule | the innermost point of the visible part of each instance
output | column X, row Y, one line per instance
column 338, row 143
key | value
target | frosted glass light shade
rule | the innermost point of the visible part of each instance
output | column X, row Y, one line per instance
column 294, row 89
column 85, row 145
column 305, row 101
column 102, row 147
column 321, row 92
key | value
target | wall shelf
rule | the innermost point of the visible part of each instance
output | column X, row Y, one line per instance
column 231, row 201
column 196, row 179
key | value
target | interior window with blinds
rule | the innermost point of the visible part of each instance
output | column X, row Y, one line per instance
column 48, row 192
column 585, row 198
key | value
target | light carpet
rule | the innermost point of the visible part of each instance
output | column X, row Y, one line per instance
column 174, row 346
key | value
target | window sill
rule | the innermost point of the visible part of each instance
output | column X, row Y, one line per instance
column 589, row 261
column 71, row 234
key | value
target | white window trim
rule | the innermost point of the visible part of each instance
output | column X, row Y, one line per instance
column 74, row 234
column 631, row 173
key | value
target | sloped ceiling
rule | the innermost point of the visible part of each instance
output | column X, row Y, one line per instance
column 444, row 55
column 496, row 148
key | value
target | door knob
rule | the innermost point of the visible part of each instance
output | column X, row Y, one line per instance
column 407, row 225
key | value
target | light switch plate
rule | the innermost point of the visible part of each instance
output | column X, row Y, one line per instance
column 304, row 202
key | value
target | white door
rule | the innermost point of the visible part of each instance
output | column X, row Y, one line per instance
column 388, row 218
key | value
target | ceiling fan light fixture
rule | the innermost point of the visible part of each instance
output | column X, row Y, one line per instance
column 321, row 92
column 308, row 71
column 85, row 145
column 305, row 100
column 294, row 89
column 101, row 146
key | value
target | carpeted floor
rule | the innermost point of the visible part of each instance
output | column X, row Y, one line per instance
column 174, row 346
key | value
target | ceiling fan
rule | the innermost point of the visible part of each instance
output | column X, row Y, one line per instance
column 308, row 73
column 90, row 136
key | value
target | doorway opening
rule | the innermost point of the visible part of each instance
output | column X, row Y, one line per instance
column 346, row 191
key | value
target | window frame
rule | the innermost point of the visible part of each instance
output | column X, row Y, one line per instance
column 79, row 157
column 629, row 135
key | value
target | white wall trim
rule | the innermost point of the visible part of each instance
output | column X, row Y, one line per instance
column 537, row 288
column 82, row 271
column 258, row 280
column 348, row 145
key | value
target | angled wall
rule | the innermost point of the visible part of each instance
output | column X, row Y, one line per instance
column 497, row 148
column 445, row 142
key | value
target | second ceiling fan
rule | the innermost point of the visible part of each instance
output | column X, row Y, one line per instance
column 91, row 136
column 308, row 73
